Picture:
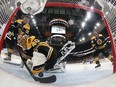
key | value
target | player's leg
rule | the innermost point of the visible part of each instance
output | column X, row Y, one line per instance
column 96, row 53
column 8, row 57
column 110, row 57
column 56, row 65
column 107, row 54
column 97, row 62
column 52, row 60
column 37, row 63
column 10, row 47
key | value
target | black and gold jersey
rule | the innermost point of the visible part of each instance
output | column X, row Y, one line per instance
column 98, row 41
column 44, row 48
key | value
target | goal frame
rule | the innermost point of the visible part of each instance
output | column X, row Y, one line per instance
column 71, row 6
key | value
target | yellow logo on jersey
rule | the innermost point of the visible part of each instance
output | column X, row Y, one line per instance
column 99, row 41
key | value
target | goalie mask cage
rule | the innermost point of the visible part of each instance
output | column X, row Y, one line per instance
column 106, row 8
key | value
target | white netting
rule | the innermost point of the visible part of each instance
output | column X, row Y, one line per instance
column 109, row 11
column 6, row 10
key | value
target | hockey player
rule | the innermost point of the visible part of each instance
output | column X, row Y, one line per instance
column 99, row 44
column 18, row 27
column 39, row 55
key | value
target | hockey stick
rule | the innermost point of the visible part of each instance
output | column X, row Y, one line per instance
column 50, row 79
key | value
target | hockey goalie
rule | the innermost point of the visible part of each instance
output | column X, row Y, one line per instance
column 39, row 56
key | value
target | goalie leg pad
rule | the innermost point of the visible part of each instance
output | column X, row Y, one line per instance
column 38, row 61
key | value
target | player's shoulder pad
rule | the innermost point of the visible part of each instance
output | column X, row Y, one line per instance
column 19, row 21
column 100, row 35
column 26, row 26
column 93, row 37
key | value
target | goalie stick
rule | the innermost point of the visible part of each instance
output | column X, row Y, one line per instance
column 49, row 79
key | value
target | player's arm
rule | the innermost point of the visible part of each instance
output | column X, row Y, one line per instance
column 93, row 42
column 10, row 33
column 103, row 39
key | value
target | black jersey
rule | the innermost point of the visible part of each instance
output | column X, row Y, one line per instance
column 16, row 27
column 12, row 31
column 45, row 49
column 98, row 41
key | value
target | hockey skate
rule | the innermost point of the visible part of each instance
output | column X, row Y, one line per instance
column 7, row 58
column 112, row 61
column 61, row 68
column 98, row 65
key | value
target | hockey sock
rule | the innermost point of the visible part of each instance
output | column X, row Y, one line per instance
column 110, row 58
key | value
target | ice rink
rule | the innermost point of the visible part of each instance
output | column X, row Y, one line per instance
column 77, row 75
column 78, row 20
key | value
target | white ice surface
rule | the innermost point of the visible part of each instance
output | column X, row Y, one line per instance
column 77, row 75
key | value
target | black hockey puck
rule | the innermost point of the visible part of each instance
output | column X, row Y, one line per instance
column 40, row 74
